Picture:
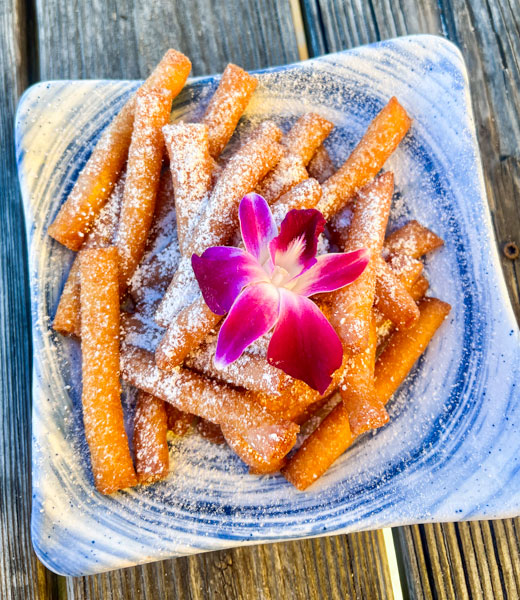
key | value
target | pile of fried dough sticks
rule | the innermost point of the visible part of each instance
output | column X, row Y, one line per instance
column 152, row 194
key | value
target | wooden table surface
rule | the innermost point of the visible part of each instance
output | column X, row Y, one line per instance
column 51, row 39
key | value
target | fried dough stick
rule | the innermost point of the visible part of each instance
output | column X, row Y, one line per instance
column 405, row 346
column 366, row 160
column 161, row 258
column 101, row 397
column 98, row 177
column 68, row 315
column 406, row 268
column 352, row 305
column 419, row 288
column 413, row 239
column 384, row 326
column 392, row 298
column 257, row 463
column 152, row 459
column 227, row 106
column 357, row 391
column 186, row 332
column 142, row 180
column 191, row 168
column 334, row 436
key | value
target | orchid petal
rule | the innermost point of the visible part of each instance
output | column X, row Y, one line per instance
column 222, row 273
column 331, row 272
column 256, row 225
column 254, row 312
column 294, row 250
column 304, row 344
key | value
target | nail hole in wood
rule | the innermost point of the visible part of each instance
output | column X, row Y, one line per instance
column 511, row 250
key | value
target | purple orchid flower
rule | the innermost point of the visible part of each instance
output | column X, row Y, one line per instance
column 267, row 285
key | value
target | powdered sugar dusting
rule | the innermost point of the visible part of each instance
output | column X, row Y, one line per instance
column 191, row 169
column 289, row 172
column 105, row 226
column 250, row 371
column 206, row 398
column 153, row 275
column 182, row 291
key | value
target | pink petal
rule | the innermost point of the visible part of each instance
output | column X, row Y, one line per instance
column 304, row 344
column 222, row 273
column 295, row 248
column 254, row 312
column 257, row 225
column 331, row 272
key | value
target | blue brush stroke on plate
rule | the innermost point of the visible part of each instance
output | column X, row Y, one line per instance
column 452, row 448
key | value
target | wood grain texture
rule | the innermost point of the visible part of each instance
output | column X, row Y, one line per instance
column 341, row 567
column 334, row 25
column 465, row 560
column 21, row 575
column 462, row 560
column 488, row 33
column 124, row 39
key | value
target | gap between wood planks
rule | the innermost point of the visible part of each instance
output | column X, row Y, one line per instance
column 299, row 29
column 393, row 566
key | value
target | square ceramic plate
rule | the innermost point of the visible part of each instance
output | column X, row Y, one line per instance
column 452, row 448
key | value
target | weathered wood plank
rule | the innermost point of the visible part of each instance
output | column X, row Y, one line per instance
column 475, row 560
column 334, row 25
column 21, row 575
column 124, row 39
column 413, row 562
column 487, row 32
column 480, row 559
column 339, row 567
